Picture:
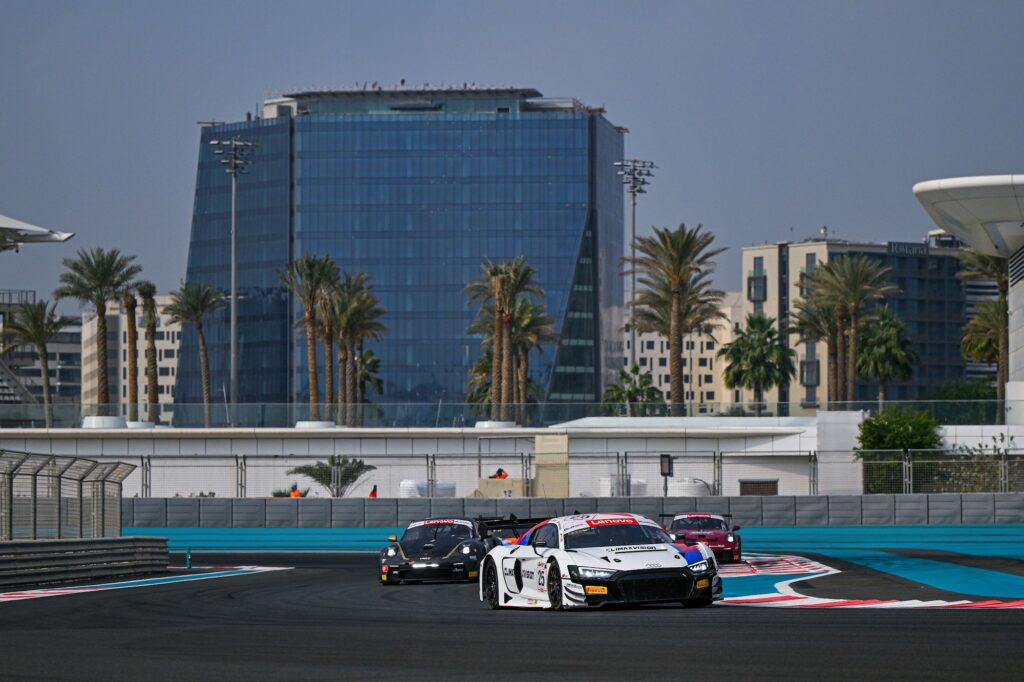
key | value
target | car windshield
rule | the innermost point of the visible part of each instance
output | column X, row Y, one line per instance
column 699, row 523
column 615, row 535
column 436, row 532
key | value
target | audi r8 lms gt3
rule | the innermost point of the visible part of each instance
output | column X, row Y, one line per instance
column 595, row 559
column 444, row 548
column 710, row 529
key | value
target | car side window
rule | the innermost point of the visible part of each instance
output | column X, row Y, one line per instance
column 548, row 534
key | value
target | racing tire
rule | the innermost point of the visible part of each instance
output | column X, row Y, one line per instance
column 697, row 603
column 491, row 591
column 555, row 588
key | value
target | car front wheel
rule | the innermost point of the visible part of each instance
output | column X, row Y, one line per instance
column 554, row 587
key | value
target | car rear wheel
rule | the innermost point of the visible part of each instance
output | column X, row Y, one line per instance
column 554, row 587
column 491, row 585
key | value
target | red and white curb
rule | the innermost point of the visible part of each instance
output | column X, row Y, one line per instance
column 217, row 572
column 787, row 597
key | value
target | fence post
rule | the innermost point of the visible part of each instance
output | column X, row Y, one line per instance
column 812, row 473
column 35, row 510
column 147, row 476
column 716, row 470
column 431, row 475
column 908, row 473
column 240, row 475
column 10, row 507
column 1004, row 473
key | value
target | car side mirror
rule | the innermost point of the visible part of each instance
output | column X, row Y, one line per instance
column 392, row 538
column 735, row 527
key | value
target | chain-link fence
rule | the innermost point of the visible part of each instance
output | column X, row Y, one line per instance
column 49, row 496
column 925, row 471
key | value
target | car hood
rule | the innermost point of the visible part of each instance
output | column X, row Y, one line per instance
column 437, row 548
column 637, row 557
column 703, row 535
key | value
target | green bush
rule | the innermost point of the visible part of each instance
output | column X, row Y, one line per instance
column 894, row 428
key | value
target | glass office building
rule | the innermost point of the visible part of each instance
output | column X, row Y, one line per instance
column 415, row 188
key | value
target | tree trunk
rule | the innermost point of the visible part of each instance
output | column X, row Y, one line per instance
column 360, row 383
column 851, row 363
column 350, row 385
column 524, row 369
column 133, row 359
column 496, row 348
column 204, row 373
column 328, row 369
column 314, row 379
column 840, row 387
column 102, row 390
column 151, row 372
column 881, row 394
column 675, row 355
column 44, row 365
column 832, row 370
column 342, row 383
column 507, row 387
column 758, row 398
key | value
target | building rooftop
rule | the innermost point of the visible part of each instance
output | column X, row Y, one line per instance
column 374, row 90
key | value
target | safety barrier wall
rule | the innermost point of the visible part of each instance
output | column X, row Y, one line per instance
column 26, row 562
column 800, row 510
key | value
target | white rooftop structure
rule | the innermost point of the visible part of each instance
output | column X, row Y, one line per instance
column 14, row 233
column 986, row 212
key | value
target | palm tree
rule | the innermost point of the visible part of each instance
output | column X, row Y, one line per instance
column 978, row 266
column 307, row 278
column 636, row 391
column 757, row 359
column 816, row 322
column 887, row 352
column 356, row 312
column 349, row 471
column 668, row 261
column 981, row 341
column 849, row 284
column 325, row 309
column 367, row 374
column 96, row 277
column 130, row 303
column 32, row 325
column 147, row 292
column 189, row 305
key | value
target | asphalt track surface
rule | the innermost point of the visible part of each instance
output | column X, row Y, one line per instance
column 329, row 619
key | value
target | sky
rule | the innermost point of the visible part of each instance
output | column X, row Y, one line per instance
column 766, row 120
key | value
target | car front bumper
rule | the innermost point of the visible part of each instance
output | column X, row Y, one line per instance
column 428, row 569
column 645, row 587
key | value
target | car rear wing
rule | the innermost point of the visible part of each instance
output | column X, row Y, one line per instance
column 496, row 524
column 672, row 516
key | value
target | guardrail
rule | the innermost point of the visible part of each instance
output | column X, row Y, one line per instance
column 43, row 561
column 776, row 510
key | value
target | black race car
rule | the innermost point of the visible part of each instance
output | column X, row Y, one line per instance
column 444, row 548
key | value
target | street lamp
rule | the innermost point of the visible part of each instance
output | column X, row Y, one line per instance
column 636, row 175
column 236, row 155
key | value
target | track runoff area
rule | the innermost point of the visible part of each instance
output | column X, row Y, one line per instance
column 915, row 602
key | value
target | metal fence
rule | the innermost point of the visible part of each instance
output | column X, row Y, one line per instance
column 929, row 471
column 53, row 497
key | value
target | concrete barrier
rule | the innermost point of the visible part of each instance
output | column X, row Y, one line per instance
column 775, row 511
column 32, row 562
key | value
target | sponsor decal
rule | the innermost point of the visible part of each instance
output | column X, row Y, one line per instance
column 473, row 574
column 509, row 572
column 529, row 575
column 696, row 516
column 596, row 589
column 652, row 565
column 384, row 568
column 440, row 522
column 384, row 577
column 616, row 521
column 703, row 584
column 634, row 548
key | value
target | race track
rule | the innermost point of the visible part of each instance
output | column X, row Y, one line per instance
column 328, row 619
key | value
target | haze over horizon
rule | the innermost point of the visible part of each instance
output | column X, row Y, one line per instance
column 766, row 121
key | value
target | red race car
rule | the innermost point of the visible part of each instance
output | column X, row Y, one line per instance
column 713, row 530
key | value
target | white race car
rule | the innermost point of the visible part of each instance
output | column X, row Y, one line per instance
column 594, row 559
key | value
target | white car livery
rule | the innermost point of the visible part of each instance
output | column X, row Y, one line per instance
column 594, row 559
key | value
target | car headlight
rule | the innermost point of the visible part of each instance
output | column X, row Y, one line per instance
column 391, row 551
column 584, row 573
column 465, row 549
column 699, row 567
column 729, row 538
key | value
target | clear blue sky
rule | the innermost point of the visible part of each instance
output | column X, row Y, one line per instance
column 762, row 116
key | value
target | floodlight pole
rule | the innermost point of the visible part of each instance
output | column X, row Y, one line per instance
column 236, row 153
column 635, row 176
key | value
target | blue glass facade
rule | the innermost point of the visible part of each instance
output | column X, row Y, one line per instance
column 415, row 190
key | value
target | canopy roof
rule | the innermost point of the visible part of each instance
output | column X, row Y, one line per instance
column 985, row 212
column 14, row 233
